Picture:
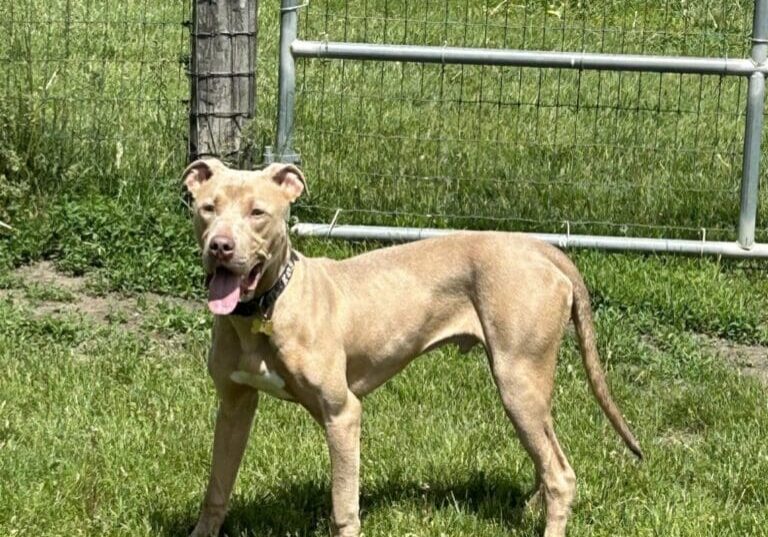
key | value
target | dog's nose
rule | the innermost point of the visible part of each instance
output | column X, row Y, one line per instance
column 222, row 247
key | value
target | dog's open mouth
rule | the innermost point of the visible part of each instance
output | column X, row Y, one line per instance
column 225, row 288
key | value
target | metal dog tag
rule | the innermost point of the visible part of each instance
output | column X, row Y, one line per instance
column 262, row 326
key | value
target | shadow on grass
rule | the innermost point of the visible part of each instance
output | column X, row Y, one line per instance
column 303, row 509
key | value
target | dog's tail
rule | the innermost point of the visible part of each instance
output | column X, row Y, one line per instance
column 581, row 313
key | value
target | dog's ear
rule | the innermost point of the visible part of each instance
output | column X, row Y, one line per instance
column 200, row 171
column 289, row 178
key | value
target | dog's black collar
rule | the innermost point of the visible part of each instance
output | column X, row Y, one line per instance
column 262, row 304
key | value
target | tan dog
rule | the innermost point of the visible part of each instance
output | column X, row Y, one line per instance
column 340, row 329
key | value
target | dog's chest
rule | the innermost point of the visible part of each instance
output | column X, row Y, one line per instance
column 253, row 371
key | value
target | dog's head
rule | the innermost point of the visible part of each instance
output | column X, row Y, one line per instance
column 239, row 219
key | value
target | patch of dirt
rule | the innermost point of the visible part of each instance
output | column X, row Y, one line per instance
column 44, row 273
column 50, row 292
column 750, row 360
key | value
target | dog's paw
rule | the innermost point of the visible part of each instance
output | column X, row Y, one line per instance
column 534, row 505
column 205, row 528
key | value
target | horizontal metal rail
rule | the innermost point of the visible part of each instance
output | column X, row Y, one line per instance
column 595, row 242
column 526, row 58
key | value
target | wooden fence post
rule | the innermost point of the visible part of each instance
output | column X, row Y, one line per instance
column 222, row 75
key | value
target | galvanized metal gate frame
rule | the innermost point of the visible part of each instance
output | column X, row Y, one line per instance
column 754, row 68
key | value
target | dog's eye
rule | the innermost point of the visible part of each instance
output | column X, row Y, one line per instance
column 257, row 212
column 207, row 207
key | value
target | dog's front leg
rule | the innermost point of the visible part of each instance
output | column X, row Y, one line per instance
column 342, row 431
column 233, row 425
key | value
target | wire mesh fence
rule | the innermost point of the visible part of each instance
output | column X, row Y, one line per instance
column 635, row 154
column 93, row 93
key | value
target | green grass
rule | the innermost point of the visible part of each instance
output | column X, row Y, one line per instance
column 93, row 101
column 105, row 429
column 92, row 94
column 109, row 433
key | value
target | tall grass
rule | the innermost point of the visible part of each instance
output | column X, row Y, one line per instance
column 93, row 100
column 93, row 94
column 485, row 147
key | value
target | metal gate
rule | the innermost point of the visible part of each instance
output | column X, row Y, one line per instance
column 752, row 69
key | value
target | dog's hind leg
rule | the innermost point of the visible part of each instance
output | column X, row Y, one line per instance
column 525, row 385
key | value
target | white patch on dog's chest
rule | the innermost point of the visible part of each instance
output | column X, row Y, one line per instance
column 265, row 380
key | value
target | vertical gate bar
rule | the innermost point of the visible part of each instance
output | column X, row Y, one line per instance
column 753, row 129
column 286, row 82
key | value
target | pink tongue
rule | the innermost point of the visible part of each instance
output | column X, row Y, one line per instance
column 223, row 292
